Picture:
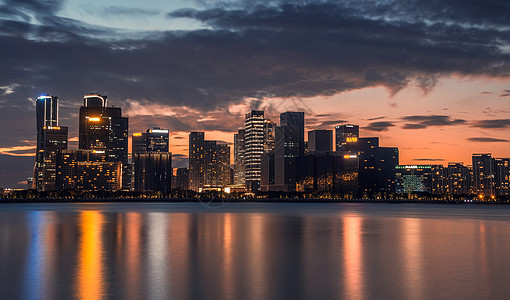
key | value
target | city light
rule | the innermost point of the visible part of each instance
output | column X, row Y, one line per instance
column 94, row 119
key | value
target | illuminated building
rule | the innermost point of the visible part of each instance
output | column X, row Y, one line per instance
column 88, row 170
column 346, row 137
column 457, row 179
column 139, row 142
column 439, row 180
column 320, row 141
column 254, row 147
column 413, row 178
column 502, row 176
column 239, row 157
column 51, row 138
column 209, row 162
column 483, row 174
column 157, row 140
column 103, row 128
column 269, row 135
column 153, row 171
column 152, row 161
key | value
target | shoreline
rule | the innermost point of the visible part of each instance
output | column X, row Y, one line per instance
column 241, row 200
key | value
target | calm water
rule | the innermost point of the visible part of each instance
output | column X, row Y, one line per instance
column 254, row 251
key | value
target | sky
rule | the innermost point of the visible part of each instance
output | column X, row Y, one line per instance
column 429, row 77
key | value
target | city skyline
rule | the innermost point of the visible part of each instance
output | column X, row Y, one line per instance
column 435, row 85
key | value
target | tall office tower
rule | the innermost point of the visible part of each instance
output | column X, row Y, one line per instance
column 153, row 171
column 209, row 162
column 457, row 179
column 157, row 139
column 51, row 139
column 239, row 156
column 502, row 176
column 320, row 141
column 254, row 145
column 196, row 157
column 103, row 128
column 139, row 142
column 289, row 151
column 46, row 107
column 269, row 135
column 346, row 137
column 217, row 164
column 483, row 174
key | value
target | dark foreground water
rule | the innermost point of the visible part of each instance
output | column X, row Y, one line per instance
column 254, row 251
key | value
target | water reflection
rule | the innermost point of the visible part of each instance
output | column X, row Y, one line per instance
column 90, row 283
column 345, row 254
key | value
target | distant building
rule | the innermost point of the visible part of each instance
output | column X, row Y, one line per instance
column 483, row 174
column 103, row 128
column 88, row 170
column 182, row 179
column 346, row 137
column 239, row 157
column 153, row 171
column 413, row 178
column 320, row 141
column 138, row 142
column 51, row 138
column 502, row 176
column 157, row 140
column 209, row 162
column 457, row 179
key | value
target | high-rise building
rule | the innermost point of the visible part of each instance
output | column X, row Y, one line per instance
column 138, row 142
column 239, row 157
column 51, row 138
column 457, row 179
column 269, row 135
column 346, row 137
column 157, row 140
column 254, row 147
column 502, row 176
column 153, row 171
column 196, row 160
column 289, row 151
column 103, row 128
column 483, row 174
column 209, row 162
column 320, row 141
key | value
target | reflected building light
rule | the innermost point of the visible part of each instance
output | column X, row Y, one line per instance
column 353, row 253
column 158, row 272
column 89, row 275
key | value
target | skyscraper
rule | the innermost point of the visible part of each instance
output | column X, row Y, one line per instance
column 209, row 162
column 346, row 137
column 51, row 139
column 139, row 142
column 157, row 139
column 289, row 151
column 254, row 147
column 239, row 157
column 153, row 171
column 103, row 128
column 483, row 174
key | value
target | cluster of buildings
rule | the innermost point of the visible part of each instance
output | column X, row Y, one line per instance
column 267, row 156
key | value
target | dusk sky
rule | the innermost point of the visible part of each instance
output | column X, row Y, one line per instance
column 429, row 77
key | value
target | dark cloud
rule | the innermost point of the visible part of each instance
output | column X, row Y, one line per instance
column 376, row 118
column 492, row 124
column 486, row 93
column 128, row 11
column 429, row 159
column 379, row 126
column 487, row 140
column 332, row 123
column 419, row 122
column 505, row 93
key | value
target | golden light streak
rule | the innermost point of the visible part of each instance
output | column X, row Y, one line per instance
column 90, row 285
column 353, row 253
